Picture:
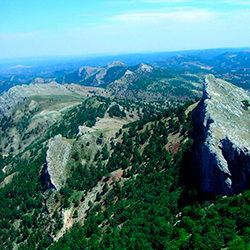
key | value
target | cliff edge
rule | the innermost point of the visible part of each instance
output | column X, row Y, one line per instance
column 224, row 150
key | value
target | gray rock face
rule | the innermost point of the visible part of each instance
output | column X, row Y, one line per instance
column 224, row 157
column 57, row 158
column 144, row 68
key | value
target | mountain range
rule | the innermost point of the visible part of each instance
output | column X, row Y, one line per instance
column 150, row 155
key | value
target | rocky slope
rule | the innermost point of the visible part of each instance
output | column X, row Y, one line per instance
column 223, row 154
column 17, row 94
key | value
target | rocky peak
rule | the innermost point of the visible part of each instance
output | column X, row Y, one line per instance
column 117, row 64
column 224, row 152
column 144, row 68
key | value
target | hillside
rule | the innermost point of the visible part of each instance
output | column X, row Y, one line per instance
column 16, row 95
column 95, row 150
column 230, row 66
column 127, row 157
column 111, row 173
column 139, row 82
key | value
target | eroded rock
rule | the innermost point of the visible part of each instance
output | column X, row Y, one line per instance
column 57, row 158
column 224, row 158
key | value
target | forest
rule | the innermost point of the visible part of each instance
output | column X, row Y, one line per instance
column 151, row 206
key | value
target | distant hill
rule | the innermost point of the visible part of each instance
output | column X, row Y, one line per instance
column 154, row 77
column 138, row 82
column 24, row 70
column 95, row 76
column 230, row 66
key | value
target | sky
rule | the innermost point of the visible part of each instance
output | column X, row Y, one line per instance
column 78, row 27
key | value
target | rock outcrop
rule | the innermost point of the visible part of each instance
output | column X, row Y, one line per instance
column 57, row 158
column 223, row 154
column 144, row 68
column 16, row 94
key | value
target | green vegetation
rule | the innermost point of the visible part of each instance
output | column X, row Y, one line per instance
column 113, row 73
column 151, row 205
column 22, row 200
column 246, row 103
column 115, row 111
column 145, row 210
column 86, row 113
column 140, row 84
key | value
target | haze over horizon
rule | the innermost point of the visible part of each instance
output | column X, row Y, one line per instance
column 44, row 28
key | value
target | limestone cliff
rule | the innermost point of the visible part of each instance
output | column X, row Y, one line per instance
column 57, row 158
column 224, row 152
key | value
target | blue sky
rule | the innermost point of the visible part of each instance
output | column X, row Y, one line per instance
column 75, row 27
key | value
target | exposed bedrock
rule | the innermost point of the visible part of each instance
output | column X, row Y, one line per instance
column 17, row 94
column 57, row 159
column 222, row 154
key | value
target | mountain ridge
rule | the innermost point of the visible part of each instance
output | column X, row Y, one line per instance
column 223, row 152
column 53, row 69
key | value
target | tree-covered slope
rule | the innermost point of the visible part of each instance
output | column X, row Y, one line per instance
column 128, row 184
column 232, row 66
column 30, row 207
